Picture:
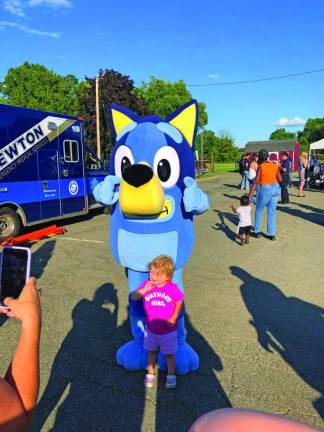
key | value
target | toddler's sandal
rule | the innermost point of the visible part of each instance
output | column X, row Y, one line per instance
column 149, row 380
column 171, row 382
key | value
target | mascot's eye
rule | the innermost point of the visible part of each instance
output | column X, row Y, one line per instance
column 125, row 163
column 164, row 170
column 167, row 166
column 123, row 158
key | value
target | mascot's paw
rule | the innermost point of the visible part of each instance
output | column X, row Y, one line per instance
column 132, row 355
column 187, row 360
column 105, row 193
column 194, row 199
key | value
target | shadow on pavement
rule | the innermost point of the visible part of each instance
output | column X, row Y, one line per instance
column 232, row 186
column 232, row 196
column 314, row 217
column 41, row 257
column 223, row 226
column 316, row 189
column 92, row 393
column 311, row 208
column 196, row 393
column 69, row 221
column 290, row 326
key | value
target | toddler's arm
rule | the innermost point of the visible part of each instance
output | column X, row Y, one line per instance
column 173, row 319
column 138, row 294
column 234, row 209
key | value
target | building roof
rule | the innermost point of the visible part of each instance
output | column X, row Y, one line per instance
column 270, row 145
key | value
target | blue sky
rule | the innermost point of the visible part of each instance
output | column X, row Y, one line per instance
column 199, row 42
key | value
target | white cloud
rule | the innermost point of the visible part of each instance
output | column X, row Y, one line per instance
column 213, row 76
column 18, row 7
column 55, row 4
column 296, row 121
column 5, row 24
column 14, row 7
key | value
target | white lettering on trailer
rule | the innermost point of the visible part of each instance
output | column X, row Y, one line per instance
column 2, row 160
column 26, row 141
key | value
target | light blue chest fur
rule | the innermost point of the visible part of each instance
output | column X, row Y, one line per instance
column 137, row 250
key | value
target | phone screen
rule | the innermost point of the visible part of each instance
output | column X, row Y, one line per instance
column 14, row 272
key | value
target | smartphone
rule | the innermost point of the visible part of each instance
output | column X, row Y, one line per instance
column 15, row 271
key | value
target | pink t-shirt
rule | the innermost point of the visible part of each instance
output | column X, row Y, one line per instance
column 159, row 305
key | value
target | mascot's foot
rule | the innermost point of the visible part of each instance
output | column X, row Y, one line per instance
column 132, row 355
column 187, row 360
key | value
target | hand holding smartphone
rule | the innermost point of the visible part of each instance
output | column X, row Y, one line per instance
column 15, row 272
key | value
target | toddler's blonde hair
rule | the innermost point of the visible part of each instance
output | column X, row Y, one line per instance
column 164, row 264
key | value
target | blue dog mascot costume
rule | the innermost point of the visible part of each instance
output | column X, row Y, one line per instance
column 154, row 196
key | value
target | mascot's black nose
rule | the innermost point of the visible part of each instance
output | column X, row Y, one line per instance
column 137, row 174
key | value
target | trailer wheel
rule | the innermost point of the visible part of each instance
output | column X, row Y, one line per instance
column 10, row 224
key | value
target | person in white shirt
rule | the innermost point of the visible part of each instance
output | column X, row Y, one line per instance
column 245, row 224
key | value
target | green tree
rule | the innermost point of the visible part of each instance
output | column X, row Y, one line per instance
column 163, row 98
column 209, row 144
column 219, row 148
column 304, row 144
column 113, row 88
column 314, row 129
column 35, row 86
column 227, row 152
column 203, row 116
column 282, row 134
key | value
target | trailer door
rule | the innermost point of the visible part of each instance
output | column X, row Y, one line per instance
column 72, row 177
column 50, row 195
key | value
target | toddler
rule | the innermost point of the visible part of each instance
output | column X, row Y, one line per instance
column 245, row 224
column 163, row 302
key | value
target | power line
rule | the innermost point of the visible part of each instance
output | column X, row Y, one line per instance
column 277, row 77
column 249, row 81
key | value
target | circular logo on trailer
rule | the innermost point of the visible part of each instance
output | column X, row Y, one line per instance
column 73, row 187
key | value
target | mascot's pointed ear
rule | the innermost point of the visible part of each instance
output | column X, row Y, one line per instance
column 185, row 119
column 121, row 118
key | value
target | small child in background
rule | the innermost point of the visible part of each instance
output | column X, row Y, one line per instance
column 245, row 224
column 163, row 302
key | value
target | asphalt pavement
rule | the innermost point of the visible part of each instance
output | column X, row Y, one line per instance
column 255, row 315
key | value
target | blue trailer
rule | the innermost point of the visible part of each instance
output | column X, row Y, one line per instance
column 46, row 171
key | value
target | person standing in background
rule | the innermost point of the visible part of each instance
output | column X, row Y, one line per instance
column 245, row 172
column 285, row 172
column 303, row 166
column 241, row 170
column 252, row 174
column 268, row 177
column 290, row 166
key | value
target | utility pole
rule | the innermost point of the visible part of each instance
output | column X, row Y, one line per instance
column 202, row 149
column 98, row 118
